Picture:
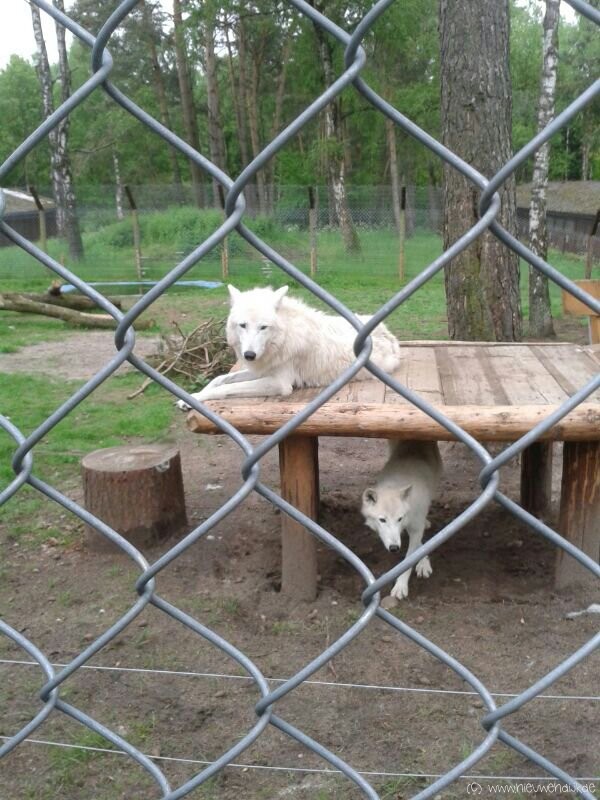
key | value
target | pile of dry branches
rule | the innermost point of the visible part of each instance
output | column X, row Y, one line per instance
column 198, row 356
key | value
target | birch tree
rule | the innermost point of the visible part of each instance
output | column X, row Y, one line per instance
column 540, row 312
column 119, row 188
column 334, row 148
column 42, row 66
column 71, row 230
column 67, row 222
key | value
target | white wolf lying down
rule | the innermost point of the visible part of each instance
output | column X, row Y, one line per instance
column 400, row 499
column 285, row 344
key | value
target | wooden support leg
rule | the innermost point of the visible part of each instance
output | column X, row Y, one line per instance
column 594, row 328
column 579, row 509
column 299, row 468
column 536, row 478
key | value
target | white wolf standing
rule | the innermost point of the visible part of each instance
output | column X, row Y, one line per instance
column 285, row 344
column 400, row 499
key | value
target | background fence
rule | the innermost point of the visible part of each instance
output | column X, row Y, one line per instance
column 268, row 696
column 171, row 225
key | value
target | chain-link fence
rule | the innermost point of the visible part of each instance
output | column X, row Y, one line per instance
column 148, row 581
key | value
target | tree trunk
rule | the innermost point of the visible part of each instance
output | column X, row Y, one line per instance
column 585, row 161
column 482, row 283
column 279, row 97
column 250, row 191
column 540, row 311
column 160, row 91
column 237, row 93
column 119, row 189
column 252, row 95
column 190, row 123
column 390, row 134
column 334, row 152
column 45, row 79
column 71, row 229
column 433, row 199
column 216, row 143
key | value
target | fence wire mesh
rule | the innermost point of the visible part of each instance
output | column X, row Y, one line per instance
column 146, row 585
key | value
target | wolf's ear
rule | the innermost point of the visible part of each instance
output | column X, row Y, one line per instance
column 233, row 293
column 405, row 492
column 280, row 294
column 370, row 496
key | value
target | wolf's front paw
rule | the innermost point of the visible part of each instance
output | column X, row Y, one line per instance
column 400, row 590
column 185, row 406
column 423, row 568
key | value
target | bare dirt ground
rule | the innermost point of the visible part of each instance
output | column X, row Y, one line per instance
column 75, row 357
column 489, row 603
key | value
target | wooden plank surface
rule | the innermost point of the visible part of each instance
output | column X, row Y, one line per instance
column 572, row 369
column 418, row 371
column 524, row 378
column 366, row 392
column 466, row 377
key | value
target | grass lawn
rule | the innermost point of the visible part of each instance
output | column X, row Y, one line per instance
column 105, row 419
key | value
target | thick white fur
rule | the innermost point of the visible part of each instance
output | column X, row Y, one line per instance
column 400, row 498
column 294, row 346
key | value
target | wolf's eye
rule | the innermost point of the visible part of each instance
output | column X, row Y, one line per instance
column 264, row 327
column 400, row 519
column 381, row 519
column 243, row 325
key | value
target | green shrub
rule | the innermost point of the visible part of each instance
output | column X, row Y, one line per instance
column 181, row 230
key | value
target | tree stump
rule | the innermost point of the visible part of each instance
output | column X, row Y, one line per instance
column 137, row 491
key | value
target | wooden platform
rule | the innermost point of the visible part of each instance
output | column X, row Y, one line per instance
column 494, row 391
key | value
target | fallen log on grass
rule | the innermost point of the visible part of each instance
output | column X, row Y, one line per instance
column 75, row 301
column 24, row 305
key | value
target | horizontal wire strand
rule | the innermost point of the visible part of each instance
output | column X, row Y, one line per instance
column 336, row 684
column 320, row 770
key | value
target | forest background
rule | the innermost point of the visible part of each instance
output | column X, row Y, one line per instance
column 231, row 76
